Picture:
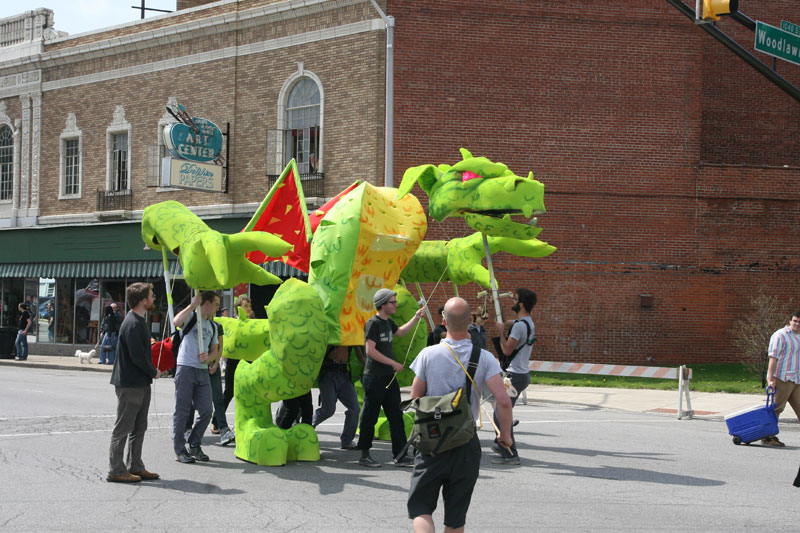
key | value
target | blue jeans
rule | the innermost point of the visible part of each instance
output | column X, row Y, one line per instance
column 110, row 340
column 520, row 382
column 192, row 391
column 22, row 345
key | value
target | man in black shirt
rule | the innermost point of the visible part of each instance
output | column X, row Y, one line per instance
column 132, row 376
column 22, row 333
column 380, row 387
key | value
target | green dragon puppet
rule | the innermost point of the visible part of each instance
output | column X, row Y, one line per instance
column 369, row 239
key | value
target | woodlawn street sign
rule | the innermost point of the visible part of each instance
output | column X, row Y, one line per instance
column 777, row 42
column 191, row 175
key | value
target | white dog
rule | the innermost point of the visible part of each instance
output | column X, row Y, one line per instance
column 85, row 356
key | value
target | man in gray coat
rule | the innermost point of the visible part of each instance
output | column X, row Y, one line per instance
column 132, row 377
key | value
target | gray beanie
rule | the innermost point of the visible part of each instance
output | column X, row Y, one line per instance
column 383, row 296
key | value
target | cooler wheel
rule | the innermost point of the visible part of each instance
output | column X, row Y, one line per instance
column 737, row 440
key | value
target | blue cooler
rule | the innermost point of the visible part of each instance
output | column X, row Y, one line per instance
column 755, row 423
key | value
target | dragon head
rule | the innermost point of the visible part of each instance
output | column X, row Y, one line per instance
column 484, row 193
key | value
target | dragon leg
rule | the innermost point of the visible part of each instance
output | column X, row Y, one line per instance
column 298, row 337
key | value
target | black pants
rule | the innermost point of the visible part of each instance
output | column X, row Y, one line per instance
column 377, row 395
column 289, row 409
column 230, row 371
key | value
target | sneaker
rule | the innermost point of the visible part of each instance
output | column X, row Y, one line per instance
column 369, row 462
column 227, row 437
column 349, row 446
column 506, row 460
column 184, row 457
column 215, row 430
column 198, row 454
column 405, row 461
column 127, row 477
column 515, row 422
column 497, row 449
column 772, row 441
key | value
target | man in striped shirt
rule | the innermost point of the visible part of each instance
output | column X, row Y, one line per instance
column 783, row 372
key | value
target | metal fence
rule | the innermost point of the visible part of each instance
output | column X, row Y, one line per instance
column 114, row 200
column 313, row 184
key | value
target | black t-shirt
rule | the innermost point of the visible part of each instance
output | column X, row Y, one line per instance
column 380, row 331
column 23, row 320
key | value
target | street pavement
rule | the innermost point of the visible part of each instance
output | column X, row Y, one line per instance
column 587, row 465
column 706, row 405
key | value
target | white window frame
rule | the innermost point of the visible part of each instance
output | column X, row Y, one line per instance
column 13, row 166
column 71, row 132
column 283, row 99
column 118, row 125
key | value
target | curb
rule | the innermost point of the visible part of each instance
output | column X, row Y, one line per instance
column 54, row 366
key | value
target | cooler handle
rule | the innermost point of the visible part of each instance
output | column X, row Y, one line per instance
column 770, row 398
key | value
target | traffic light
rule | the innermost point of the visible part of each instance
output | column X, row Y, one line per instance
column 713, row 8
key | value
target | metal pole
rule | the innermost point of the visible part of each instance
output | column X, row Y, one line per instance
column 388, row 161
column 427, row 309
column 492, row 281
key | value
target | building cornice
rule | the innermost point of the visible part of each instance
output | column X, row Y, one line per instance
column 216, row 24
column 214, row 55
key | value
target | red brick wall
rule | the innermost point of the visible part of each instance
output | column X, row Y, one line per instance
column 613, row 105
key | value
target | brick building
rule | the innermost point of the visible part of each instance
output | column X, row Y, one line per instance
column 668, row 163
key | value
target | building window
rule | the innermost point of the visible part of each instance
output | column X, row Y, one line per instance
column 302, row 135
column 70, row 161
column 72, row 165
column 119, row 162
column 6, row 163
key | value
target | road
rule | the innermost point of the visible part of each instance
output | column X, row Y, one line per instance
column 583, row 469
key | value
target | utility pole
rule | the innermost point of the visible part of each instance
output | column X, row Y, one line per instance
column 143, row 8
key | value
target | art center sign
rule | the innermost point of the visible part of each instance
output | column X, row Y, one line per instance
column 201, row 143
column 191, row 175
column 195, row 144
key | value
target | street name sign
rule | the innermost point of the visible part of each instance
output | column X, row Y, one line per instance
column 777, row 43
column 791, row 28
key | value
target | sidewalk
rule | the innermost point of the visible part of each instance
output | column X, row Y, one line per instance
column 706, row 405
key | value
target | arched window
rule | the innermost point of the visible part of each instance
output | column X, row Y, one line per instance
column 303, row 125
column 6, row 163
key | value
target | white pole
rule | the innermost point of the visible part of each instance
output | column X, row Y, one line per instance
column 492, row 281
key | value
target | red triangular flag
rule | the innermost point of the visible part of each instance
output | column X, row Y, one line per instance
column 283, row 213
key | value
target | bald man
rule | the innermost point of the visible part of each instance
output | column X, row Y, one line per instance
column 456, row 470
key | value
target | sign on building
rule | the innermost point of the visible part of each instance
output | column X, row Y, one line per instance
column 192, row 175
column 194, row 143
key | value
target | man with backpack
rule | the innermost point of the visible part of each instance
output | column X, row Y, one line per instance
column 441, row 370
column 516, row 348
column 192, row 384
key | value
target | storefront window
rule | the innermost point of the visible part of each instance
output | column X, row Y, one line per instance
column 65, row 316
column 11, row 296
column 88, row 309
column 45, row 313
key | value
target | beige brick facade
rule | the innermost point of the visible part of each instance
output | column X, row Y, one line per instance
column 227, row 62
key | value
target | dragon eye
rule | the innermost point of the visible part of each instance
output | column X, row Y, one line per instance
column 467, row 175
